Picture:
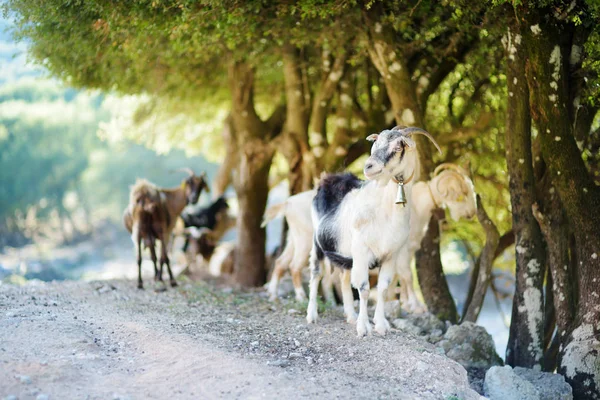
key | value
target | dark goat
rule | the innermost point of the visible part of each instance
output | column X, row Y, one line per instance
column 206, row 217
column 151, row 216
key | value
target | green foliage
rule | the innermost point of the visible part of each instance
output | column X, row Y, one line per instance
column 42, row 151
column 174, row 54
column 49, row 148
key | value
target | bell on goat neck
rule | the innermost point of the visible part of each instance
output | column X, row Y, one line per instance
column 400, row 195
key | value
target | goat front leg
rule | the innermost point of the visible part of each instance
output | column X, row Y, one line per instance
column 316, row 272
column 359, row 276
column 348, row 297
column 386, row 275
column 139, row 262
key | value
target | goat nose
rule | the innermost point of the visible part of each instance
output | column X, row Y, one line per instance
column 368, row 165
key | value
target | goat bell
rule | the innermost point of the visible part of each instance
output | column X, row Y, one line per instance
column 400, row 195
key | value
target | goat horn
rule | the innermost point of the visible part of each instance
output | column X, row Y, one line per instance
column 409, row 131
column 185, row 169
column 451, row 166
column 437, row 186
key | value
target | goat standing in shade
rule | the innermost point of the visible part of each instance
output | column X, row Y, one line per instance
column 358, row 226
column 203, row 228
column 296, row 210
column 449, row 188
column 151, row 216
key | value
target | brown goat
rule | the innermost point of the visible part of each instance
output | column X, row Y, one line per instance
column 151, row 216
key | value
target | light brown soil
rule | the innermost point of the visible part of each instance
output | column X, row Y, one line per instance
column 108, row 340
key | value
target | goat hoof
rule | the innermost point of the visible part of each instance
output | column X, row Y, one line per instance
column 311, row 315
column 363, row 328
column 351, row 319
column 140, row 286
column 300, row 297
column 382, row 327
column 174, row 284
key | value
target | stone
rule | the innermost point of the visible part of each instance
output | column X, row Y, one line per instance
column 427, row 322
column 502, row 383
column 42, row 396
column 549, row 386
column 392, row 309
column 470, row 345
column 279, row 363
column 407, row 327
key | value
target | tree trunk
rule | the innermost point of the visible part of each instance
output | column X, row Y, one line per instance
column 252, row 188
column 342, row 137
column 525, row 343
column 321, row 104
column 432, row 280
column 485, row 261
column 295, row 146
column 223, row 177
column 255, row 154
column 548, row 52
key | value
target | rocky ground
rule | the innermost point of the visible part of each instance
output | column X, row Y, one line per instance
column 108, row 340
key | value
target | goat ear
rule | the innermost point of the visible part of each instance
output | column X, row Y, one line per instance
column 372, row 137
column 402, row 142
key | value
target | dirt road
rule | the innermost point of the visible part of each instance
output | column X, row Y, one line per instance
column 108, row 340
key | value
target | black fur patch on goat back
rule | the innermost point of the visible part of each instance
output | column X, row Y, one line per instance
column 205, row 217
column 332, row 190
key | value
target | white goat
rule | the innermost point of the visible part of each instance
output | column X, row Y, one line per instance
column 449, row 188
column 358, row 226
column 296, row 209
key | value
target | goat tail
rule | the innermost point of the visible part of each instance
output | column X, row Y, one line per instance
column 273, row 212
column 339, row 260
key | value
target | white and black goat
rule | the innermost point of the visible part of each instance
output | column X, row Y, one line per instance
column 203, row 229
column 449, row 188
column 358, row 225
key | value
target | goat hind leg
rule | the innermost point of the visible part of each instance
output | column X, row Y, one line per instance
column 168, row 262
column 154, row 259
column 281, row 264
column 316, row 273
column 165, row 259
column 348, row 297
column 301, row 254
column 327, row 283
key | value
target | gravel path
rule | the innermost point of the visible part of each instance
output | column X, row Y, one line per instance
column 108, row 340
